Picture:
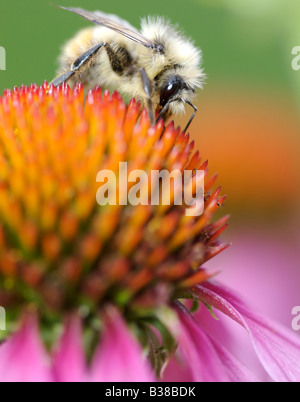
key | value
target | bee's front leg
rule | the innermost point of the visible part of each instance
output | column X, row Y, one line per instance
column 148, row 89
column 78, row 65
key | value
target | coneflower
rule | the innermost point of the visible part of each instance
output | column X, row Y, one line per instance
column 107, row 293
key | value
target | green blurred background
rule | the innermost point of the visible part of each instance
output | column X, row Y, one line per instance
column 244, row 41
column 248, row 120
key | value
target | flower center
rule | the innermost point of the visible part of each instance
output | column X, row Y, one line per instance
column 60, row 248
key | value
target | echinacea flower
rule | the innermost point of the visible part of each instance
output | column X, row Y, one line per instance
column 108, row 293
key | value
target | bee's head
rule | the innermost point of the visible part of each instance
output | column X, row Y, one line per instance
column 174, row 90
column 175, row 68
column 173, row 93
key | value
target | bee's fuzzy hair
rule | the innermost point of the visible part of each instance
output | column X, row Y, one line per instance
column 178, row 48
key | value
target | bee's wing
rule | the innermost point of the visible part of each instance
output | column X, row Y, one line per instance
column 114, row 23
column 117, row 20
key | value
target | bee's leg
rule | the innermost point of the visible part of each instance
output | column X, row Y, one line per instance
column 77, row 65
column 163, row 111
column 62, row 78
column 192, row 117
column 148, row 91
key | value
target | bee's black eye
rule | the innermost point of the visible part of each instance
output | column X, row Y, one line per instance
column 169, row 91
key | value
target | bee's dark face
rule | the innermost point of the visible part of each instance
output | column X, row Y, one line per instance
column 173, row 95
column 170, row 91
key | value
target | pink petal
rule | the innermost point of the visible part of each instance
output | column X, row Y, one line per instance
column 177, row 370
column 23, row 358
column 69, row 361
column 119, row 357
column 262, row 253
column 233, row 338
column 208, row 361
column 235, row 370
column 277, row 349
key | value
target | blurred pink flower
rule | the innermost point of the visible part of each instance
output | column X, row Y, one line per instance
column 118, row 358
column 259, row 265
